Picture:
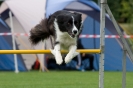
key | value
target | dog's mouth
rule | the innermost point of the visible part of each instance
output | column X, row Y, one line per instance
column 72, row 35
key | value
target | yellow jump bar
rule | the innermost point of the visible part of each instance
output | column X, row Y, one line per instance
column 46, row 51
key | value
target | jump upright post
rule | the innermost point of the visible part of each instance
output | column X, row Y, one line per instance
column 102, row 44
column 13, row 42
column 126, row 48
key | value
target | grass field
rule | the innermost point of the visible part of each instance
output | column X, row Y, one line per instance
column 62, row 79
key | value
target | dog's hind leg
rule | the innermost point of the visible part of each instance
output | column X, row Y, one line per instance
column 72, row 53
column 56, row 52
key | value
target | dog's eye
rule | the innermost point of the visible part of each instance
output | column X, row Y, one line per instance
column 68, row 23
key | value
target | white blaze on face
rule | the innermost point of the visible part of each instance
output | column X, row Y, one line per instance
column 74, row 29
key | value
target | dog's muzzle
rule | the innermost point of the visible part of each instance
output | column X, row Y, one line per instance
column 75, row 32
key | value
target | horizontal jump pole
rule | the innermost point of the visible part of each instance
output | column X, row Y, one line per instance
column 46, row 51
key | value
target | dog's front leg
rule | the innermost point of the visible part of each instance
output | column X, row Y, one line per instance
column 72, row 53
column 57, row 54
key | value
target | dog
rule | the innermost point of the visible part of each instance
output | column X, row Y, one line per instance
column 65, row 27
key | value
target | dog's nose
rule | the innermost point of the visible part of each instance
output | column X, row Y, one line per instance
column 75, row 31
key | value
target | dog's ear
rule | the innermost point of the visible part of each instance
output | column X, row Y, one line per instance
column 79, row 17
column 51, row 22
column 78, row 14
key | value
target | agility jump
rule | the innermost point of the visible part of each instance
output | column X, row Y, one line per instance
column 127, row 49
column 46, row 51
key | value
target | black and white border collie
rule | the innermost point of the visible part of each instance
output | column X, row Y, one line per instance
column 65, row 27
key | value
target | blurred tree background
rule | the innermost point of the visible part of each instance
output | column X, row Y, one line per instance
column 123, row 13
column 0, row 2
column 121, row 9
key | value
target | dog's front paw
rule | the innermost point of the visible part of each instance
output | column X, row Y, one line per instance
column 58, row 59
column 68, row 58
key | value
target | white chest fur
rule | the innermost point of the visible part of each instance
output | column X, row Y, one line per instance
column 66, row 41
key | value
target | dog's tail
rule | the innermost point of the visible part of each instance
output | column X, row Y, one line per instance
column 39, row 32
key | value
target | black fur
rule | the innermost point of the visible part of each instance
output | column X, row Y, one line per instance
column 45, row 28
column 39, row 32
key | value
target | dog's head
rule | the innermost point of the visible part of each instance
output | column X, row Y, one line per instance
column 70, row 23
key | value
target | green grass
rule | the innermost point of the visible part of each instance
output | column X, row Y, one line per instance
column 62, row 79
